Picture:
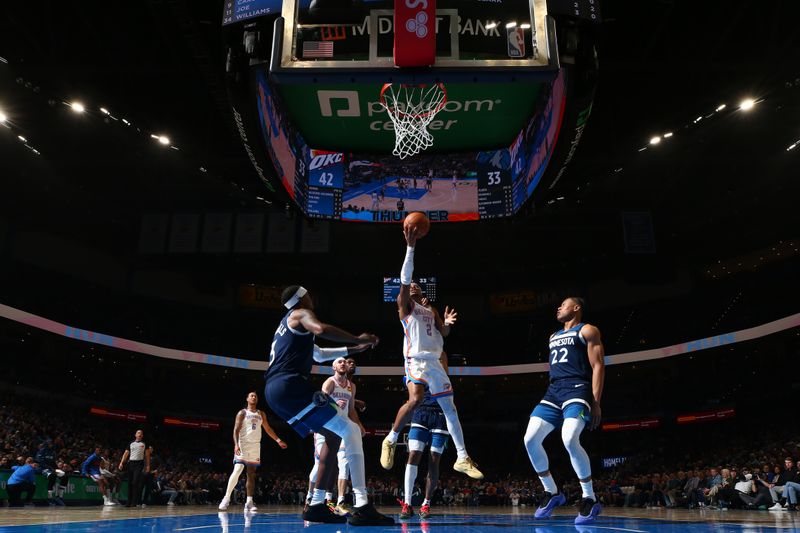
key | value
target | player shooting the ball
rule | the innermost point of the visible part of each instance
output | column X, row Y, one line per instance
column 423, row 346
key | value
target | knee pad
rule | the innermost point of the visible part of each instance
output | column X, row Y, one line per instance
column 571, row 435
column 571, row 432
column 538, row 429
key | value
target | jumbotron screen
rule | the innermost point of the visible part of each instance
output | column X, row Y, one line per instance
column 391, row 288
column 240, row 10
column 450, row 186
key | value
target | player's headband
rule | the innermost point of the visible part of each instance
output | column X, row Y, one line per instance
column 298, row 295
column 336, row 361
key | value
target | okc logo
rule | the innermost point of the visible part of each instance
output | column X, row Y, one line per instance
column 417, row 24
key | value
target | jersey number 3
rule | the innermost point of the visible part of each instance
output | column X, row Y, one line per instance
column 563, row 359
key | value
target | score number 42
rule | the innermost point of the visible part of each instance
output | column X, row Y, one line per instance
column 326, row 179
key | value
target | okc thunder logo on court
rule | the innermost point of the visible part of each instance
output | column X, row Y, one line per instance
column 418, row 24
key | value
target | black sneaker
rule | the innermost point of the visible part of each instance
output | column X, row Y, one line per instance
column 321, row 513
column 588, row 509
column 367, row 515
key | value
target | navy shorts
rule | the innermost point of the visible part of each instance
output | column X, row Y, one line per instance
column 304, row 407
column 432, row 419
column 428, row 428
column 565, row 399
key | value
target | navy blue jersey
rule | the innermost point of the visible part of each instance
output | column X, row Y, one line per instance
column 292, row 351
column 569, row 357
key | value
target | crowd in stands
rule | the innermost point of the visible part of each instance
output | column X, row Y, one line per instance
column 743, row 474
column 58, row 444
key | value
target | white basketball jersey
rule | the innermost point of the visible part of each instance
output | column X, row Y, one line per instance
column 251, row 427
column 422, row 338
column 343, row 395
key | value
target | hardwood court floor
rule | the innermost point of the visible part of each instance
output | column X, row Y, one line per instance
column 276, row 519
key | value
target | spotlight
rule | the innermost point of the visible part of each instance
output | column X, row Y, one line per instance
column 747, row 104
column 163, row 140
column 3, row 117
column 655, row 140
column 21, row 138
column 511, row 25
column 525, row 26
column 491, row 25
column 720, row 107
column 668, row 135
column 77, row 107
column 104, row 111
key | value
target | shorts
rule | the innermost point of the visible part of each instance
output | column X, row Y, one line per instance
column 431, row 418
column 249, row 454
column 302, row 406
column 420, row 437
column 565, row 399
column 429, row 372
column 95, row 474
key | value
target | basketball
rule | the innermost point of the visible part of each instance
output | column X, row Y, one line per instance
column 418, row 220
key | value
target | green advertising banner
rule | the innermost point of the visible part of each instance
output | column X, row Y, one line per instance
column 79, row 489
column 350, row 118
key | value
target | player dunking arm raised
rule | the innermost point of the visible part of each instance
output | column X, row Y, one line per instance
column 577, row 374
column 423, row 346
column 247, row 449
column 293, row 398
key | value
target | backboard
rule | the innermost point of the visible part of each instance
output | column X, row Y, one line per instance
column 360, row 34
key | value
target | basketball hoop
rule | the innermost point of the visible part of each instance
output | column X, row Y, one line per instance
column 412, row 108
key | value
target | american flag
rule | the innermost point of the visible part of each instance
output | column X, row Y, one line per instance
column 317, row 49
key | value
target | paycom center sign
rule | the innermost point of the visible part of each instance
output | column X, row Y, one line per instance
column 350, row 118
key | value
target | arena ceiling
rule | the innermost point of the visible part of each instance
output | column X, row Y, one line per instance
column 716, row 188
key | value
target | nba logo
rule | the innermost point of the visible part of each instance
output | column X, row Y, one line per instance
column 516, row 42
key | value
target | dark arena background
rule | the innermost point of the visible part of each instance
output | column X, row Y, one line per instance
column 169, row 167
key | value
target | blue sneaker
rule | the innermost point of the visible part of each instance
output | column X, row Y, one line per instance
column 549, row 504
column 588, row 510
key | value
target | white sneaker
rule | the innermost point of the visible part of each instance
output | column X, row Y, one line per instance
column 250, row 506
column 223, row 505
column 776, row 507
column 170, row 503
column 108, row 503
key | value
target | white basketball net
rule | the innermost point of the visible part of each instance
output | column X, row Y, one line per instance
column 411, row 109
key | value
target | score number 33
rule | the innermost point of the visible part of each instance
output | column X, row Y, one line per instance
column 494, row 177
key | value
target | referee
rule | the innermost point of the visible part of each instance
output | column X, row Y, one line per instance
column 139, row 456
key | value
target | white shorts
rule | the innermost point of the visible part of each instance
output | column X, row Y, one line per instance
column 429, row 372
column 249, row 454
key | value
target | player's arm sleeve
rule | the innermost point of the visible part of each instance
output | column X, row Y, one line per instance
column 322, row 355
column 407, row 271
